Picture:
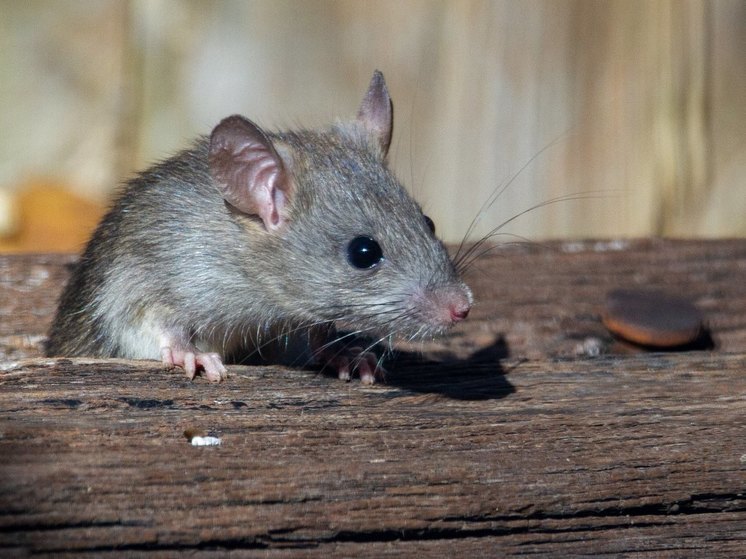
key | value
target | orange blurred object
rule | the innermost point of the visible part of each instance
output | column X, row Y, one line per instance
column 51, row 218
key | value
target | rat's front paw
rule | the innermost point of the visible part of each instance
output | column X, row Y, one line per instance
column 191, row 360
column 355, row 361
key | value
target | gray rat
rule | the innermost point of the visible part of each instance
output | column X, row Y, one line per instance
column 252, row 234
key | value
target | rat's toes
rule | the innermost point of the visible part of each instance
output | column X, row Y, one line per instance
column 192, row 361
column 367, row 376
column 351, row 361
column 176, row 358
column 365, row 364
column 369, row 368
column 213, row 366
column 167, row 357
column 190, row 364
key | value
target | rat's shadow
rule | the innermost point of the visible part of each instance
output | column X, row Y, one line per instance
column 478, row 377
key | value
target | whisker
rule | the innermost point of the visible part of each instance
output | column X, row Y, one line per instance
column 591, row 194
column 501, row 188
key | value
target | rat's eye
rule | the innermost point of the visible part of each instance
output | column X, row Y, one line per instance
column 364, row 252
column 430, row 224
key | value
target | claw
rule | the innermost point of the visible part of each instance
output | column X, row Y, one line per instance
column 190, row 364
column 213, row 366
column 167, row 357
column 355, row 360
column 343, row 368
column 367, row 375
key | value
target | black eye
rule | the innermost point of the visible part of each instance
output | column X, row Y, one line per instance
column 364, row 252
column 430, row 224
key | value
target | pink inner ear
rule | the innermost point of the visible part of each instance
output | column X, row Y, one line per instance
column 248, row 170
column 279, row 205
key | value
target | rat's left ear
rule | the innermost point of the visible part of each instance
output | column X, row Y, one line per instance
column 248, row 170
column 376, row 112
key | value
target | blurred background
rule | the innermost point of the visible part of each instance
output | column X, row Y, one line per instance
column 633, row 109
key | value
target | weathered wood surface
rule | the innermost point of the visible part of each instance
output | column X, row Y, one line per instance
column 507, row 439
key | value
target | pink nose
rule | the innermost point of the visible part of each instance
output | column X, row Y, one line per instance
column 459, row 312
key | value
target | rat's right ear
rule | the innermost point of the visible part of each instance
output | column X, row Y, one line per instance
column 248, row 170
column 376, row 112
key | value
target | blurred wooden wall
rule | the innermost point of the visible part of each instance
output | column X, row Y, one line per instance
column 642, row 103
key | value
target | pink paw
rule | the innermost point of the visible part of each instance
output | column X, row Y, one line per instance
column 191, row 360
column 354, row 360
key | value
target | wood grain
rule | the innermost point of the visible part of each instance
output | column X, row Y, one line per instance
column 498, row 442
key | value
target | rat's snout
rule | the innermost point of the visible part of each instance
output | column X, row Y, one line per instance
column 433, row 310
column 451, row 304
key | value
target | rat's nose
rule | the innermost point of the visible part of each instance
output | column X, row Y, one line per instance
column 448, row 305
column 459, row 311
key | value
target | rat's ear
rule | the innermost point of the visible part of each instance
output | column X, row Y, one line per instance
column 376, row 112
column 248, row 170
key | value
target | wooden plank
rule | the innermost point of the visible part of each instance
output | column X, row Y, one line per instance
column 507, row 439
column 29, row 288
column 642, row 454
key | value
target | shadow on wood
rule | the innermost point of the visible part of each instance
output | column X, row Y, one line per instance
column 478, row 377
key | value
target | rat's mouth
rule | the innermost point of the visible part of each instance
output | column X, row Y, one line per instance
column 428, row 312
column 410, row 330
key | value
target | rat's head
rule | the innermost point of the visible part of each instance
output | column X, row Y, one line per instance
column 348, row 244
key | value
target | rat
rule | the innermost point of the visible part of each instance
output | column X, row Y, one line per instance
column 251, row 235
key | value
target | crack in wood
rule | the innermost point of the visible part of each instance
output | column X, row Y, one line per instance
column 52, row 526
column 284, row 538
column 695, row 505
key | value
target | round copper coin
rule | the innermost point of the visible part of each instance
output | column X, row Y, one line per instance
column 651, row 318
